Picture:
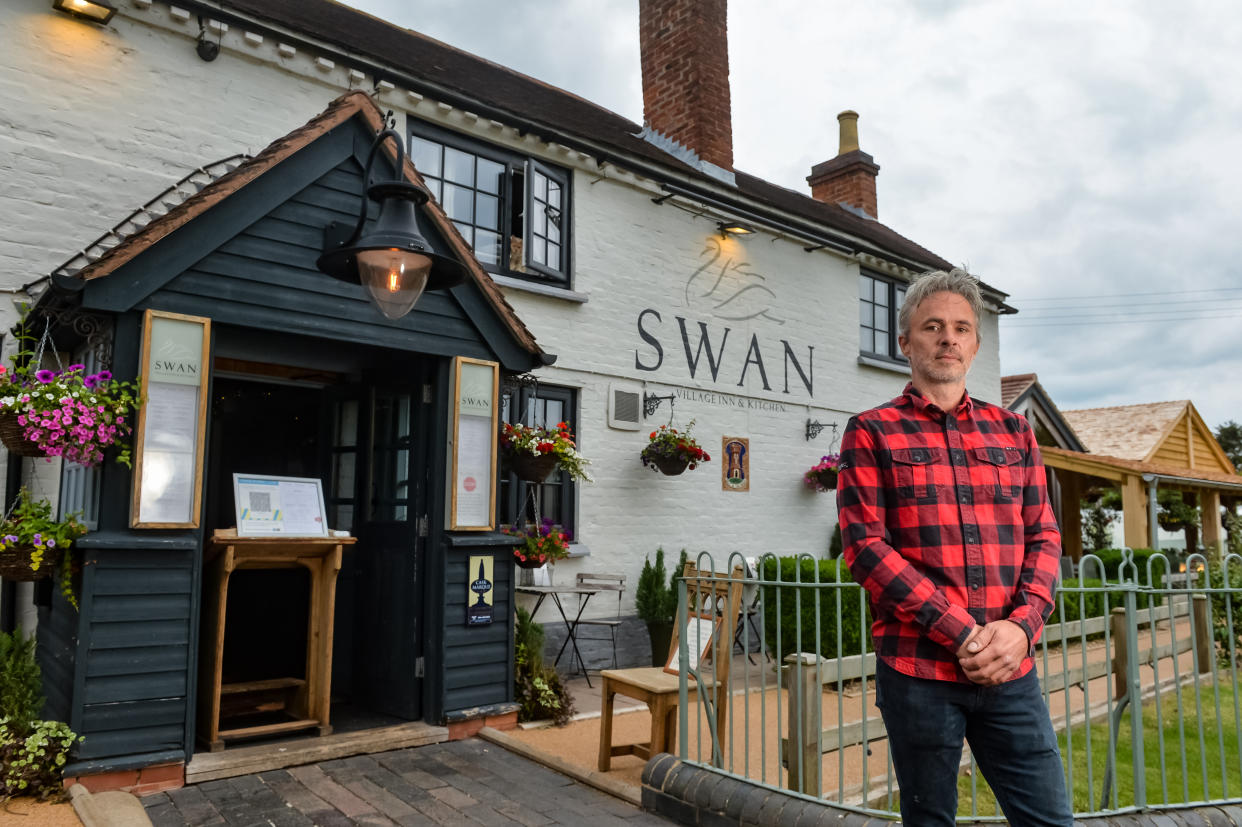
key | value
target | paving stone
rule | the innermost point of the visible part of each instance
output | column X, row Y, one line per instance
column 315, row 780
column 384, row 801
column 404, row 766
column 455, row 798
column 524, row 815
column 293, row 792
column 163, row 814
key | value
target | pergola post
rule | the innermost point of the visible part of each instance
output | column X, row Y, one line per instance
column 1134, row 511
column 1071, row 514
column 1209, row 516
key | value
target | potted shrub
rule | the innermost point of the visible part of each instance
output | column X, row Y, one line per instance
column 671, row 452
column 655, row 601
column 33, row 544
column 822, row 476
column 533, row 451
column 69, row 413
column 32, row 751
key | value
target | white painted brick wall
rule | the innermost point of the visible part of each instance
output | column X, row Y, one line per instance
column 95, row 121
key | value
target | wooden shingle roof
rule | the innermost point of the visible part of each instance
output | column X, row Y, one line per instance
column 1171, row 434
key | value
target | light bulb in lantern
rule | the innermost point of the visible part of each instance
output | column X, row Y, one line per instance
column 395, row 278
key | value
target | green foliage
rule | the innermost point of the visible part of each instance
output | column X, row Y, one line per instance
column 834, row 545
column 1112, row 557
column 1229, row 435
column 655, row 598
column 796, row 624
column 31, row 759
column 1175, row 513
column 21, row 685
column 1079, row 605
column 537, row 687
column 30, row 530
column 1233, row 531
column 1095, row 524
column 32, row 752
column 1227, row 611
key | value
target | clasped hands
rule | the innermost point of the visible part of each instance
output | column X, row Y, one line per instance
column 993, row 652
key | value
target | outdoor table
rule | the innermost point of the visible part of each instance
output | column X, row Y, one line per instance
column 571, row 626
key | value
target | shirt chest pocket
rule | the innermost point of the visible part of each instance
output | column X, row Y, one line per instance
column 1002, row 470
column 914, row 470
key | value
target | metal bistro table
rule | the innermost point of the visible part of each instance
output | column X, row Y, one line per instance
column 571, row 626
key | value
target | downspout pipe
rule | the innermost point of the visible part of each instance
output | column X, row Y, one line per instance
column 1152, row 506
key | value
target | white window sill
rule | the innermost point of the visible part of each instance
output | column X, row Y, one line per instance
column 578, row 550
column 884, row 364
column 541, row 289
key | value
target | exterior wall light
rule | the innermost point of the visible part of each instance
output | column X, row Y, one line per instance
column 96, row 11
column 393, row 260
column 728, row 228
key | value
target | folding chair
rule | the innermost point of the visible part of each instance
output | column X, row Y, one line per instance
column 603, row 583
column 706, row 592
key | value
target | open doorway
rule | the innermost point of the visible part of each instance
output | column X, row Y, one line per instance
column 359, row 442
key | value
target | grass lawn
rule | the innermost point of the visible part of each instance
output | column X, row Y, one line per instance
column 1189, row 774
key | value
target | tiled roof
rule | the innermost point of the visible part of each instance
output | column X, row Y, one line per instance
column 1127, row 431
column 1014, row 386
column 541, row 108
column 134, row 238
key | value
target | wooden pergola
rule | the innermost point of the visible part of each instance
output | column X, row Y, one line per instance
column 1142, row 449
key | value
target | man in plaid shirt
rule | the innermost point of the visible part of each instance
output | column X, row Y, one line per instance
column 945, row 518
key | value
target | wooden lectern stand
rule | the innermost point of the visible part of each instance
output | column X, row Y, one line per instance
column 304, row 698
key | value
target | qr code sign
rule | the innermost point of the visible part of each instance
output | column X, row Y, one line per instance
column 260, row 502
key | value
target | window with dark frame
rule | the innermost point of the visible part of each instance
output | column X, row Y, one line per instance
column 511, row 209
column 879, row 301
column 545, row 406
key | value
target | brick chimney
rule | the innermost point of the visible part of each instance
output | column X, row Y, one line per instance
column 685, row 63
column 849, row 178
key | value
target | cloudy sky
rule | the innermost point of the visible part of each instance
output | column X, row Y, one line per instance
column 1085, row 157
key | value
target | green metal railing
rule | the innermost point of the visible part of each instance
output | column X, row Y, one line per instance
column 1142, row 648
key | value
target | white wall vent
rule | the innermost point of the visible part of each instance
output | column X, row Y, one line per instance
column 625, row 407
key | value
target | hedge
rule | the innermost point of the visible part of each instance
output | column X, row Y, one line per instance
column 1093, row 602
column 852, row 619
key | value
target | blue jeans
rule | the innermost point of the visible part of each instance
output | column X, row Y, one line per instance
column 1010, row 735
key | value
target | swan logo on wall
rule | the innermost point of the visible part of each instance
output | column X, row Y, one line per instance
column 727, row 288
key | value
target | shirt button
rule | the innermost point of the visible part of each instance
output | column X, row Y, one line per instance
column 963, row 496
column 974, row 587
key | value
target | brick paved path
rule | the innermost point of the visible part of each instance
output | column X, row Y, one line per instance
column 462, row 782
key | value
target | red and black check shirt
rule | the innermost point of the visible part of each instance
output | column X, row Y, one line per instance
column 946, row 524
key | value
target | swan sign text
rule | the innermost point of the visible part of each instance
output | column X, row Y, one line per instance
column 710, row 351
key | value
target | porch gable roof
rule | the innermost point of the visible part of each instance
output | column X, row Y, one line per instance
column 351, row 105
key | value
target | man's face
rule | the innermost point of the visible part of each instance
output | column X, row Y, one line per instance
column 943, row 339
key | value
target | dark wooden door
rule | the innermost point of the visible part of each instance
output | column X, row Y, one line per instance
column 389, row 637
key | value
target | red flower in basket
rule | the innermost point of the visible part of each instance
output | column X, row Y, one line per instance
column 823, row 475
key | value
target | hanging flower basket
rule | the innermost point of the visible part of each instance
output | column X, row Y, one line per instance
column 528, row 563
column 531, row 467
column 671, row 452
column 670, row 466
column 13, row 435
column 534, row 451
column 17, row 563
column 823, row 475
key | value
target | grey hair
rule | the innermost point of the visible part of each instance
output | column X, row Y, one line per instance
column 956, row 281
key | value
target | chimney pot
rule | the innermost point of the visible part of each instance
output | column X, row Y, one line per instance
column 849, row 131
column 849, row 178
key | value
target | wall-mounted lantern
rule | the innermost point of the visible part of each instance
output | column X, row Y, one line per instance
column 728, row 228
column 96, row 11
column 393, row 260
